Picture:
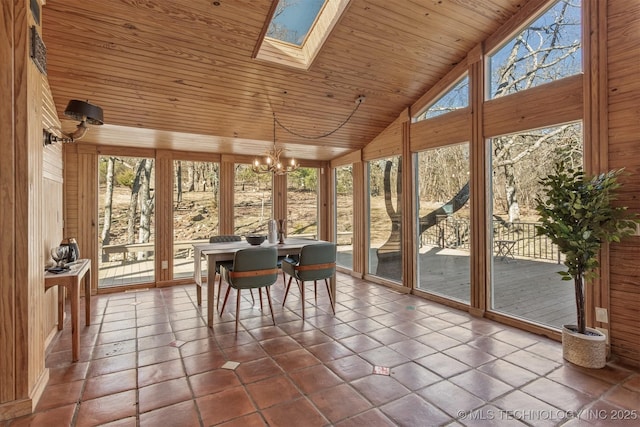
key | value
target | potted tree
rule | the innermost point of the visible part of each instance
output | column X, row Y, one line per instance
column 577, row 214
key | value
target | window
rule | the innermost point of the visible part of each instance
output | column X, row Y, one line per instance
column 454, row 99
column 444, row 226
column 292, row 20
column 195, row 211
column 344, row 215
column 385, row 232
column 253, row 202
column 525, row 281
column 302, row 203
column 549, row 49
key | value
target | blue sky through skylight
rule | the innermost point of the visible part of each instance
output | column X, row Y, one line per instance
column 293, row 19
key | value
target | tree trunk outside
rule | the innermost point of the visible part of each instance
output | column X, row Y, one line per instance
column 133, row 204
column 146, row 206
column 179, row 181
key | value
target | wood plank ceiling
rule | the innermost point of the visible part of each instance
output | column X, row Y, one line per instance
column 179, row 74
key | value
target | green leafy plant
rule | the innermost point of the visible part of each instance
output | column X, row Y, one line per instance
column 578, row 215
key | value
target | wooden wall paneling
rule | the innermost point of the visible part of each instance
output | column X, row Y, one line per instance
column 359, row 219
column 326, row 203
column 8, row 182
column 479, row 197
column 227, row 180
column 442, row 130
column 623, row 150
column 347, row 159
column 409, row 227
column 164, row 182
column 388, row 143
column 594, row 128
column 530, row 109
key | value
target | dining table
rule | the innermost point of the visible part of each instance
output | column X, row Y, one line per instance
column 225, row 251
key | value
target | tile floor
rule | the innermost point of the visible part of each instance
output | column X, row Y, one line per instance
column 148, row 359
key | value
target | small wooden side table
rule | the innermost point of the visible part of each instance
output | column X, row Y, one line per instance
column 70, row 280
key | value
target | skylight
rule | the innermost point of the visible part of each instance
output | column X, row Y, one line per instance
column 293, row 19
column 297, row 30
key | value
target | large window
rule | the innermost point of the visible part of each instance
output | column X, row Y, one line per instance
column 344, row 215
column 126, row 205
column 253, row 204
column 302, row 203
column 547, row 50
column 525, row 279
column 385, row 237
column 195, row 211
column 454, row 99
column 444, row 226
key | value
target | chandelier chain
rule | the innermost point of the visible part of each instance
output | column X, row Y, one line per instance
column 324, row 135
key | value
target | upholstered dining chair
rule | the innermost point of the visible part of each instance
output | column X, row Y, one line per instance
column 316, row 262
column 253, row 268
column 223, row 239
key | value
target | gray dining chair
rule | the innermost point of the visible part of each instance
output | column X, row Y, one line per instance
column 316, row 262
column 223, row 239
column 252, row 268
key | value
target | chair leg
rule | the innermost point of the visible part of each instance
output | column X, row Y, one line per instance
column 315, row 291
column 226, row 297
column 333, row 307
column 253, row 300
column 237, row 308
column 219, row 292
column 260, row 293
column 302, row 297
column 286, row 292
column 270, row 306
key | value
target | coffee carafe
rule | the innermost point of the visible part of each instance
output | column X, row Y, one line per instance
column 74, row 250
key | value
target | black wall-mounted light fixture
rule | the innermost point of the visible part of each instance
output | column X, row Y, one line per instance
column 78, row 110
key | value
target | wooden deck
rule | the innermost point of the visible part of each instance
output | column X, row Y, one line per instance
column 522, row 287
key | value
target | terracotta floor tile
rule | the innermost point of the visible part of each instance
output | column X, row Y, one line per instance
column 296, row 359
column 527, row 408
column 60, row 395
column 60, row 416
column 553, row 392
column 157, row 329
column 351, row 367
column 481, row 384
column 380, row 389
column 280, row 345
column 413, row 376
column 340, row 402
column 340, row 331
column 110, row 384
column 508, row 373
column 108, row 337
column 459, row 333
column 516, row 338
column 310, row 338
column 263, row 393
column 603, row 414
column 624, row 398
column 224, row 406
column 438, row 341
column 203, row 362
column 157, row 355
column 163, row 394
column 69, row 373
column 298, row 412
column 213, row 381
column 257, row 370
column 366, row 325
column 155, row 341
column 469, row 355
column 106, row 409
column 180, row 414
column 633, row 383
column 412, row 411
column 360, row 343
column 384, row 356
column 492, row 346
column 119, row 325
column 314, row 379
column 330, row 351
column 411, row 329
column 443, row 365
column 251, row 420
column 387, row 336
column 372, row 418
column 112, row 364
column 450, row 398
column 160, row 372
column 532, row 362
column 412, row 348
column 244, row 353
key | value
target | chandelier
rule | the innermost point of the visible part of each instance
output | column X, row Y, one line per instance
column 272, row 163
